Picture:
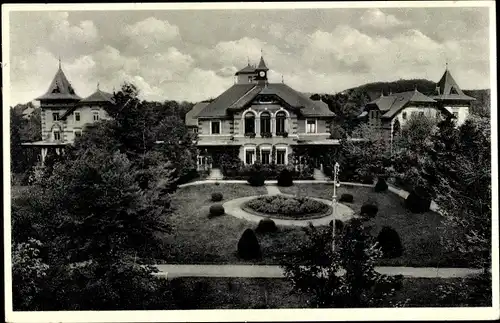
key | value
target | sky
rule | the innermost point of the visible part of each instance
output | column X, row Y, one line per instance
column 193, row 54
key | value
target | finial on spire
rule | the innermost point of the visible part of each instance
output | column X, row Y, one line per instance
column 248, row 60
column 382, row 93
column 416, row 90
column 446, row 64
column 282, row 79
column 98, row 85
column 261, row 52
column 59, row 61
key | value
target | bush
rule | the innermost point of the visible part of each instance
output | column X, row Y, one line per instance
column 285, row 178
column 257, row 178
column 369, row 209
column 347, row 198
column 390, row 243
column 381, row 185
column 216, row 210
column 417, row 203
column 266, row 225
column 248, row 246
column 217, row 197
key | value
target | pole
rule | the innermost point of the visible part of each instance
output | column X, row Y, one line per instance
column 336, row 184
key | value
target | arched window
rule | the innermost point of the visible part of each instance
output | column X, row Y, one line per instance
column 265, row 122
column 249, row 123
column 280, row 122
column 396, row 128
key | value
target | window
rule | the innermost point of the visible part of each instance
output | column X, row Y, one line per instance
column 55, row 116
column 249, row 122
column 265, row 122
column 311, row 126
column 78, row 133
column 421, row 113
column 280, row 156
column 280, row 122
column 57, row 135
column 265, row 156
column 455, row 114
column 77, row 116
column 96, row 115
column 453, row 90
column 215, row 127
column 250, row 79
column 404, row 115
column 249, row 156
column 195, row 130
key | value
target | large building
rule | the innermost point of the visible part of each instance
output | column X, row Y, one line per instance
column 263, row 121
column 64, row 114
column 390, row 112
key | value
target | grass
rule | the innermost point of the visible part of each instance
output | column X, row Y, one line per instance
column 18, row 190
column 420, row 234
column 253, row 293
column 196, row 239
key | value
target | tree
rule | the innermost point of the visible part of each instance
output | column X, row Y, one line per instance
column 345, row 277
column 462, row 189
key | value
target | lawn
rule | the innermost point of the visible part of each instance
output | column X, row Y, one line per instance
column 420, row 234
column 197, row 239
column 253, row 293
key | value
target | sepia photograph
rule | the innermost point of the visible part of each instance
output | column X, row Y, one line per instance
column 250, row 161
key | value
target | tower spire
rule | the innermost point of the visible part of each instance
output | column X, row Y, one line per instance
column 97, row 85
column 59, row 61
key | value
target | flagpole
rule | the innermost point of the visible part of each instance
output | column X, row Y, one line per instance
column 336, row 184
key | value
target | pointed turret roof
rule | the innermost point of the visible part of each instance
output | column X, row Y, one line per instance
column 60, row 88
column 262, row 65
column 448, row 89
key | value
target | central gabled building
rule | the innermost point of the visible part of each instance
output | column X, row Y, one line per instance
column 265, row 121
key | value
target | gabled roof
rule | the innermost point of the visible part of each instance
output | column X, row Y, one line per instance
column 448, row 89
column 394, row 103
column 60, row 88
column 99, row 97
column 262, row 65
column 239, row 95
column 249, row 69
column 191, row 118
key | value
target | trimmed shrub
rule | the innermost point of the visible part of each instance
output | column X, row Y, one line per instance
column 369, row 210
column 266, row 225
column 257, row 178
column 285, row 178
column 390, row 243
column 347, row 198
column 381, row 185
column 417, row 203
column 286, row 206
column 217, row 197
column 248, row 246
column 216, row 210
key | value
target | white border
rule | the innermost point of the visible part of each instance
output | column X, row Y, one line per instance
column 249, row 315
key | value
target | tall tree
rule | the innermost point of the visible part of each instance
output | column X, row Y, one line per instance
column 344, row 277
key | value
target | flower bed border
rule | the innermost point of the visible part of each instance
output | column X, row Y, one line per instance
column 312, row 216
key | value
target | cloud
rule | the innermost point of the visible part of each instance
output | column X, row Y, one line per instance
column 276, row 30
column 151, row 32
column 376, row 18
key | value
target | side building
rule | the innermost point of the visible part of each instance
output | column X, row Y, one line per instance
column 262, row 121
column 389, row 113
column 64, row 114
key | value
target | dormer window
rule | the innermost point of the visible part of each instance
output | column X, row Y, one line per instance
column 453, row 90
column 56, row 89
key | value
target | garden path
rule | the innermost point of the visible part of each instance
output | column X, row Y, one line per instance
column 233, row 207
column 273, row 190
column 269, row 271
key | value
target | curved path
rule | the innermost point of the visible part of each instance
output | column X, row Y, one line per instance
column 233, row 207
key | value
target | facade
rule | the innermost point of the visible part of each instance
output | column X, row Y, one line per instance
column 263, row 121
column 390, row 112
column 64, row 114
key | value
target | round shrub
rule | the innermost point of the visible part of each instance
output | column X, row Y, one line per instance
column 390, row 243
column 347, row 198
column 216, row 197
column 285, row 178
column 257, row 178
column 266, row 225
column 216, row 210
column 286, row 206
column 369, row 210
column 417, row 203
column 381, row 185
column 248, row 246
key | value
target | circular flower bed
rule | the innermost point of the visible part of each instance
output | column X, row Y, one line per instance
column 287, row 207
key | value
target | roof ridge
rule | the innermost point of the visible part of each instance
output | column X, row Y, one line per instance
column 245, row 94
